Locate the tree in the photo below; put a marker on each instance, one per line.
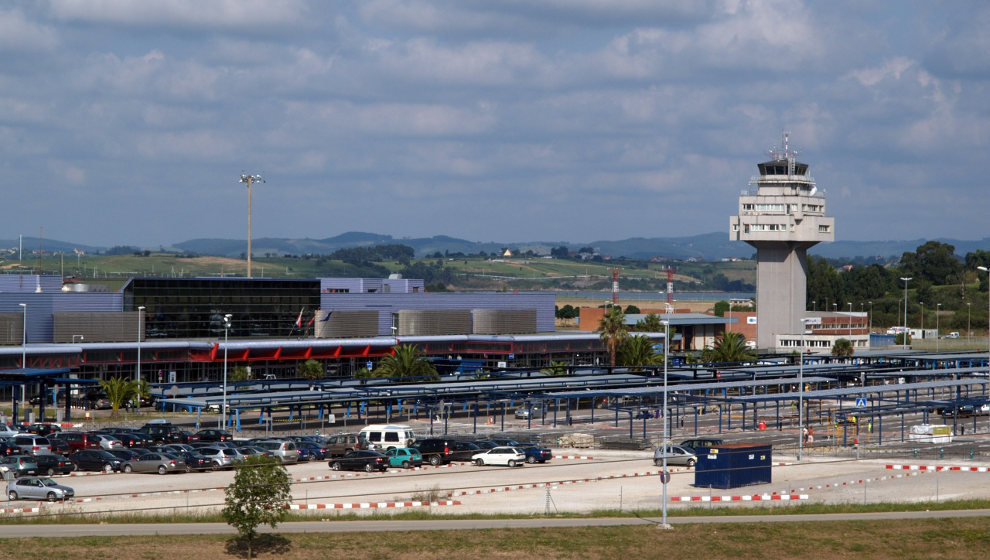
(650, 323)
(405, 362)
(239, 373)
(311, 369)
(631, 310)
(842, 348)
(721, 307)
(730, 347)
(555, 369)
(613, 331)
(934, 261)
(119, 391)
(560, 252)
(260, 494)
(638, 350)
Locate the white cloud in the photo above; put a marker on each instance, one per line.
(237, 14)
(18, 34)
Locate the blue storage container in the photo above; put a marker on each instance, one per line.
(733, 465)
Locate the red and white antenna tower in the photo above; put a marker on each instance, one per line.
(670, 285)
(615, 286)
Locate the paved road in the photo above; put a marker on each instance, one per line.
(166, 529)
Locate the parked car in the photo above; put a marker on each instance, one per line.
(952, 334)
(196, 461)
(506, 442)
(404, 457)
(464, 451)
(160, 432)
(20, 465)
(285, 450)
(59, 446)
(51, 464)
(38, 488)
(484, 443)
(304, 454)
(96, 460)
(530, 411)
(365, 460)
(125, 454)
(250, 451)
(7, 448)
(697, 444)
(77, 440)
(43, 428)
(317, 451)
(221, 458)
(536, 453)
(341, 444)
(436, 451)
(676, 455)
(107, 441)
(161, 463)
(211, 434)
(507, 456)
(32, 444)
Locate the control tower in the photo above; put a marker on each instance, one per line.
(781, 218)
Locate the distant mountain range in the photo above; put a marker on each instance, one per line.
(706, 247)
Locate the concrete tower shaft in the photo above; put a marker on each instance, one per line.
(781, 218)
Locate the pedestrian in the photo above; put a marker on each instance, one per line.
(804, 435)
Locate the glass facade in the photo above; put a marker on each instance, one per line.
(194, 307)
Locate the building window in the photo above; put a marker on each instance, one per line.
(823, 228)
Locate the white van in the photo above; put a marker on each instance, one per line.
(387, 436)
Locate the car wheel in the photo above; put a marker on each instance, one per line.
(52, 497)
(108, 468)
(335, 465)
(512, 462)
(50, 471)
(691, 462)
(531, 459)
(128, 468)
(214, 466)
(369, 467)
(188, 469)
(405, 464)
(434, 460)
(11, 495)
(162, 469)
(658, 462)
(479, 462)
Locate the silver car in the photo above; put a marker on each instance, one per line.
(161, 463)
(222, 458)
(283, 449)
(676, 455)
(38, 488)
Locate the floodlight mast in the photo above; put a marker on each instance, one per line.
(250, 179)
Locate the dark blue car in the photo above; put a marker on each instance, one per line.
(316, 450)
(536, 453)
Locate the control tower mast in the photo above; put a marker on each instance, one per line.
(781, 218)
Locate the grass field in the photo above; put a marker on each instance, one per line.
(963, 538)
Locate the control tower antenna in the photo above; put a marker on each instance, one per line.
(615, 285)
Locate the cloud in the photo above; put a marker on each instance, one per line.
(18, 34)
(258, 15)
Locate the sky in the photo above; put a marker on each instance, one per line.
(130, 122)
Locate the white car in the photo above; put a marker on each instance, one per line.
(508, 456)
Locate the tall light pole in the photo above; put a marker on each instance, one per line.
(226, 335)
(922, 304)
(905, 333)
(871, 317)
(938, 307)
(987, 270)
(137, 374)
(969, 321)
(23, 358)
(850, 321)
(664, 444)
(804, 327)
(250, 179)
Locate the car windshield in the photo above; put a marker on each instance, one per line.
(47, 482)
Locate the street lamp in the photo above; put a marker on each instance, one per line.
(226, 334)
(938, 307)
(249, 179)
(987, 270)
(140, 311)
(664, 444)
(813, 305)
(969, 322)
(23, 357)
(850, 321)
(804, 326)
(871, 316)
(905, 333)
(922, 304)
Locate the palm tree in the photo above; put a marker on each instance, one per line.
(406, 361)
(730, 347)
(613, 331)
(119, 391)
(555, 369)
(650, 323)
(638, 350)
(311, 369)
(842, 348)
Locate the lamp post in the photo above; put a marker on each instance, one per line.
(905, 333)
(987, 270)
(938, 307)
(850, 321)
(664, 444)
(249, 179)
(871, 316)
(969, 322)
(922, 304)
(804, 326)
(226, 335)
(812, 305)
(23, 356)
(137, 376)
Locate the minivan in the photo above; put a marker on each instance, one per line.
(32, 444)
(388, 436)
(284, 450)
